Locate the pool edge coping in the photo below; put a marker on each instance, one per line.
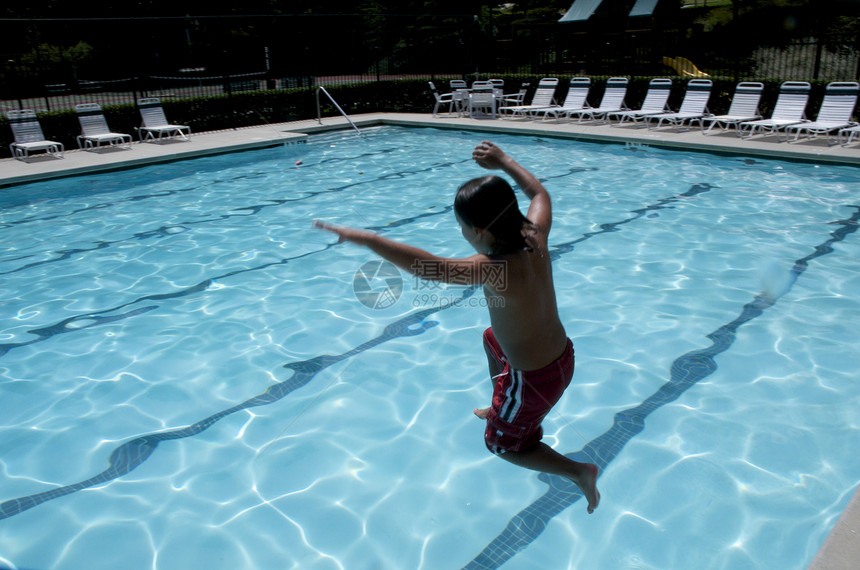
(690, 140)
(841, 548)
(79, 162)
(85, 162)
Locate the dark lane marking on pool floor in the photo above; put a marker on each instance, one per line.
(97, 318)
(182, 227)
(177, 191)
(131, 454)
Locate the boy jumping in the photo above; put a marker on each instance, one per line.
(531, 359)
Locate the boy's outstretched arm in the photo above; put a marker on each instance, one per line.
(492, 157)
(412, 259)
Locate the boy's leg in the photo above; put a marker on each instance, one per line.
(496, 367)
(544, 458)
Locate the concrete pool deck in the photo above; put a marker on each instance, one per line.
(841, 549)
(43, 167)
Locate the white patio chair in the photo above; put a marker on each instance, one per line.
(28, 136)
(837, 108)
(483, 86)
(654, 103)
(513, 99)
(790, 109)
(441, 99)
(460, 90)
(744, 107)
(155, 127)
(482, 103)
(95, 131)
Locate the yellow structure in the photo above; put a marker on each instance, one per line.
(684, 67)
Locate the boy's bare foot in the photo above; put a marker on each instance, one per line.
(587, 481)
(481, 413)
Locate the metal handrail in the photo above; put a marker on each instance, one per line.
(319, 116)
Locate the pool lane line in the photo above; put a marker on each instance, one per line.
(131, 454)
(97, 318)
(687, 370)
(166, 192)
(182, 227)
(557, 250)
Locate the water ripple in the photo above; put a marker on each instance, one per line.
(131, 454)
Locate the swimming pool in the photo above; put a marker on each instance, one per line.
(190, 381)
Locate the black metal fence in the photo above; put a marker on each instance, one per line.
(802, 60)
(190, 58)
(107, 92)
(805, 59)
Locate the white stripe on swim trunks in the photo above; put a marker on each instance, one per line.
(513, 397)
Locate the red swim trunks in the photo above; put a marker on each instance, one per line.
(522, 398)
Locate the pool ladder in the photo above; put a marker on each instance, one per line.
(330, 98)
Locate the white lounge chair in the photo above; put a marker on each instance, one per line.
(441, 99)
(28, 136)
(654, 103)
(544, 97)
(95, 131)
(837, 108)
(744, 107)
(155, 127)
(694, 107)
(612, 101)
(575, 100)
(790, 109)
(848, 135)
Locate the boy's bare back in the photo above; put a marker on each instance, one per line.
(524, 312)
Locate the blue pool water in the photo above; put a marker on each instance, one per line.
(189, 380)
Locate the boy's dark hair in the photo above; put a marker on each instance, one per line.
(489, 203)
